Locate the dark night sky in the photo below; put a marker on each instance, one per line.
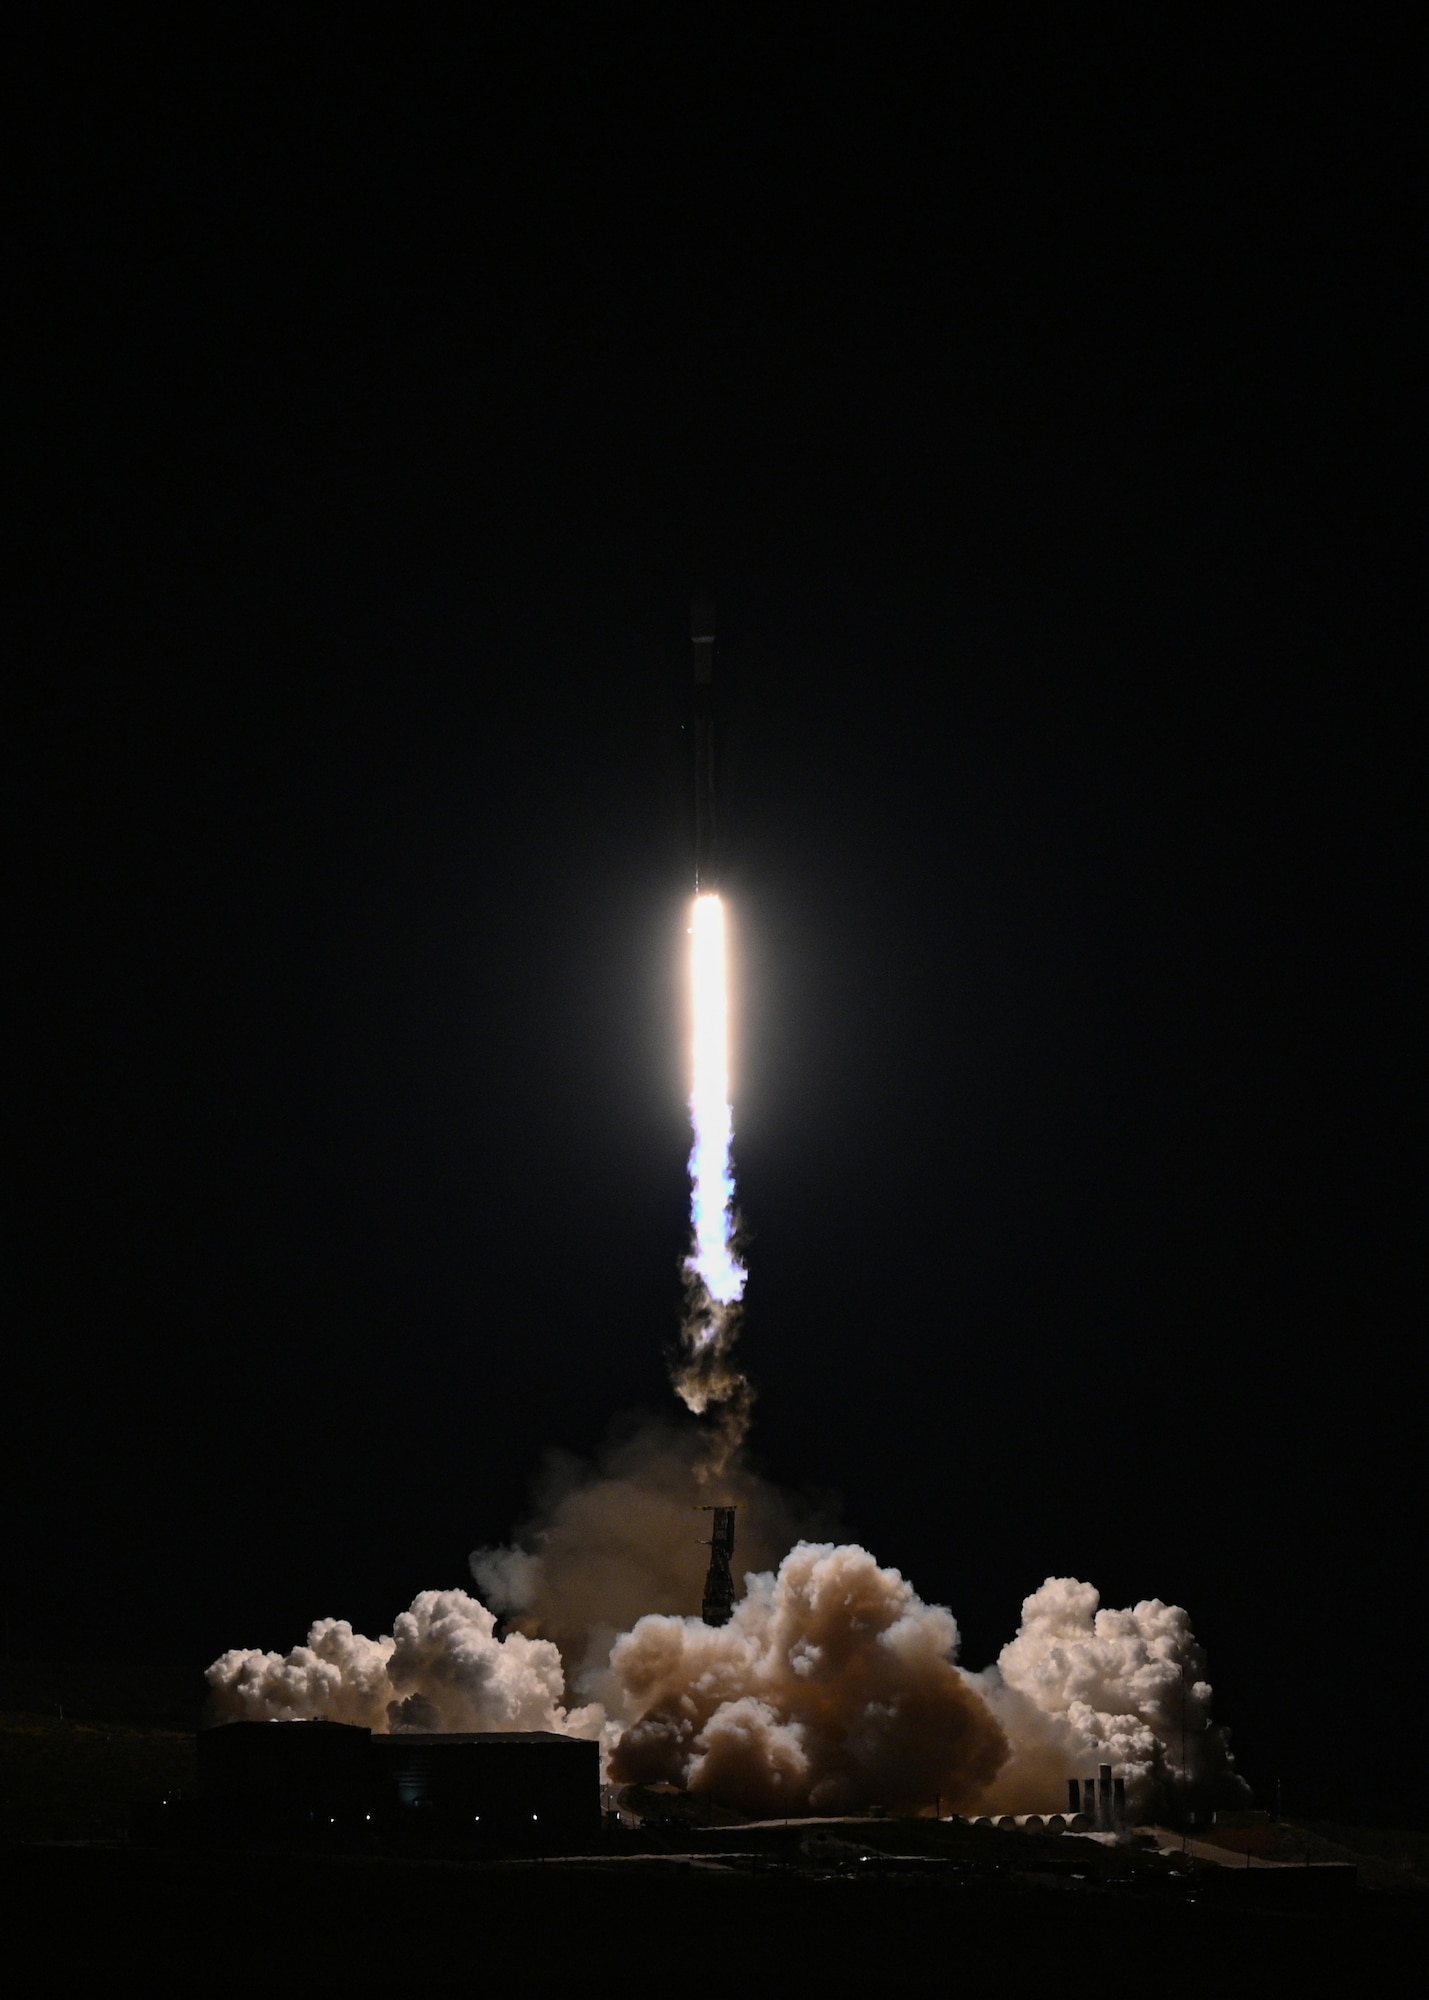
(1039, 401)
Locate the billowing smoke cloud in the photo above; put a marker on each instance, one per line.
(612, 1541)
(1080, 1686)
(442, 1668)
(832, 1688)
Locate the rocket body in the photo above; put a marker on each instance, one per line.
(702, 639)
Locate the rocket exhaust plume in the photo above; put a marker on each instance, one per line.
(706, 1376)
(714, 1276)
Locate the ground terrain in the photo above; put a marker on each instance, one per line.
(100, 1881)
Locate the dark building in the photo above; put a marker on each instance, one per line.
(529, 1784)
(502, 1789)
(291, 1767)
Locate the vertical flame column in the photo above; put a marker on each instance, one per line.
(712, 1260)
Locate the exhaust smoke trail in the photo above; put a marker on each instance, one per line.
(609, 1541)
(714, 1276)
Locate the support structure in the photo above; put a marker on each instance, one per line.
(718, 1605)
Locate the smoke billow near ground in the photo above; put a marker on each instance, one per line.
(834, 1688)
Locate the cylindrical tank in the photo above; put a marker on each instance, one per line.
(1030, 1822)
(1005, 1822)
(1056, 1823)
(1074, 1795)
(1079, 1822)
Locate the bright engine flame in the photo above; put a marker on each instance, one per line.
(712, 1260)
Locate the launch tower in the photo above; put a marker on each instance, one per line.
(718, 1606)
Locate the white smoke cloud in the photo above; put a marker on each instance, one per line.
(1080, 1686)
(442, 1668)
(832, 1688)
(614, 1540)
(338, 1675)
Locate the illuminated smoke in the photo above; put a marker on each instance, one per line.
(833, 1688)
(714, 1276)
(611, 1541)
(1080, 1686)
(442, 1669)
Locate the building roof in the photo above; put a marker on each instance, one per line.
(482, 1736)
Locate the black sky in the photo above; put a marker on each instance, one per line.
(1039, 400)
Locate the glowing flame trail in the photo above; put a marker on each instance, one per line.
(714, 1276)
(712, 1261)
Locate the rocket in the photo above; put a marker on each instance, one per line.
(702, 636)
